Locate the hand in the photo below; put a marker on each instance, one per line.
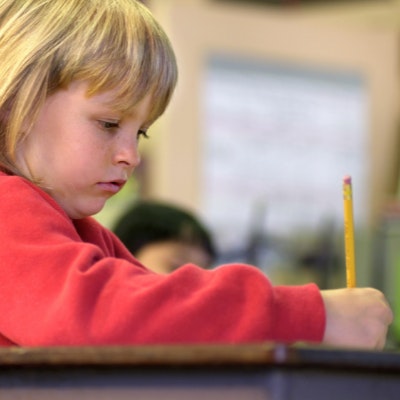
(356, 317)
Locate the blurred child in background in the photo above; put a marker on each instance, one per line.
(164, 237)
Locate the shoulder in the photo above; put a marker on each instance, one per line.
(25, 208)
(19, 194)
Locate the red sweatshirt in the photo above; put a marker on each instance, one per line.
(72, 282)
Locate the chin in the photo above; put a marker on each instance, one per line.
(85, 212)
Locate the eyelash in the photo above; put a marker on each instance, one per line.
(107, 125)
(142, 133)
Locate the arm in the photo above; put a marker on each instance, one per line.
(58, 289)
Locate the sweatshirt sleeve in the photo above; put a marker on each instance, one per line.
(60, 290)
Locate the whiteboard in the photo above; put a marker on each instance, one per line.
(280, 137)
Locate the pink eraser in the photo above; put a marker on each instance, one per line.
(347, 180)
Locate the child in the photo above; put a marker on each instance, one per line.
(81, 82)
(164, 237)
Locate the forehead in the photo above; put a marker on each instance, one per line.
(108, 101)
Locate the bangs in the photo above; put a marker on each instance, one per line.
(127, 53)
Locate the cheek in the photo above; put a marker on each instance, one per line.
(85, 145)
(31, 155)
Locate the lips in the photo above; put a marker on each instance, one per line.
(112, 186)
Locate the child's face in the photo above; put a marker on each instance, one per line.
(81, 150)
(166, 256)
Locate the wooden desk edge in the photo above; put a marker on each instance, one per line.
(144, 355)
(266, 354)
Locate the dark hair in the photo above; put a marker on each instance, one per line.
(149, 221)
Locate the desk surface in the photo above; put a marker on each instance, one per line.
(265, 371)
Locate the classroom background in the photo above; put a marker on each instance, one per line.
(277, 101)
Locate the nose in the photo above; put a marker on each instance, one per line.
(127, 152)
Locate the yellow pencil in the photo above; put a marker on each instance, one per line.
(349, 233)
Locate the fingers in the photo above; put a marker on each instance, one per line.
(381, 307)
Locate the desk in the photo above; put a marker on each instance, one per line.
(248, 372)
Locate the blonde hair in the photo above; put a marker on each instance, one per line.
(46, 44)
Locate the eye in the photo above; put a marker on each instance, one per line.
(142, 133)
(109, 124)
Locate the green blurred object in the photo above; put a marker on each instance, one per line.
(118, 204)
